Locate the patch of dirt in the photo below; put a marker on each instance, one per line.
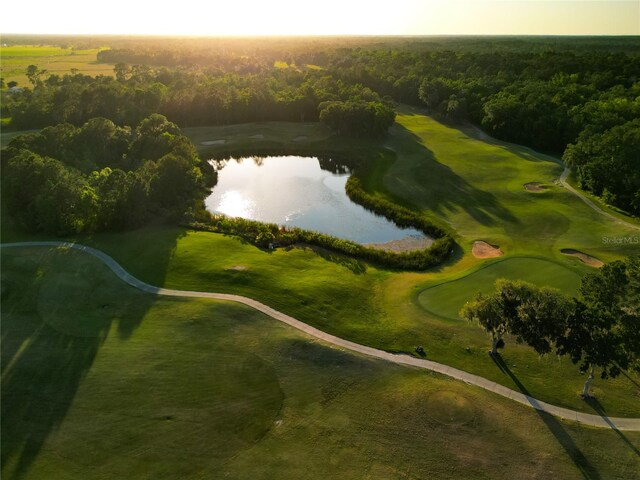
(583, 257)
(213, 142)
(535, 187)
(300, 138)
(237, 268)
(406, 244)
(483, 249)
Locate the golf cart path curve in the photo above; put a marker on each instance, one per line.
(588, 202)
(628, 424)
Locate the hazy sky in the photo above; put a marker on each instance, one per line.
(325, 17)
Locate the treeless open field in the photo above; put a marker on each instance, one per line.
(56, 60)
(98, 374)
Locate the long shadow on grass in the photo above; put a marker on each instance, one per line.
(435, 186)
(555, 427)
(597, 406)
(354, 265)
(46, 356)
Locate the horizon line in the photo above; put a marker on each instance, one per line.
(330, 35)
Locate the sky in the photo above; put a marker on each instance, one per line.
(326, 17)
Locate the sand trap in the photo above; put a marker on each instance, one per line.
(485, 250)
(257, 136)
(213, 142)
(535, 187)
(406, 244)
(583, 257)
(237, 268)
(300, 138)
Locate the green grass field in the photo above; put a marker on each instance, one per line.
(56, 60)
(102, 381)
(446, 299)
(475, 187)
(392, 310)
(260, 136)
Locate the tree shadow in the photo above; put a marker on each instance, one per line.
(630, 379)
(46, 354)
(587, 470)
(353, 264)
(477, 133)
(597, 406)
(447, 192)
(38, 390)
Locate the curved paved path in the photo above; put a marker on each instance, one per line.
(565, 184)
(630, 424)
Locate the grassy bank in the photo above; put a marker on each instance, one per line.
(100, 380)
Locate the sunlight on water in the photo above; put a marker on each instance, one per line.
(234, 204)
(296, 191)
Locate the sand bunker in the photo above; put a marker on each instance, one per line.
(300, 138)
(404, 245)
(213, 142)
(257, 136)
(485, 250)
(535, 187)
(583, 257)
(237, 268)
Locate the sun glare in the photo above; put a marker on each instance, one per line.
(234, 204)
(330, 17)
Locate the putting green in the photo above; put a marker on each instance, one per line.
(446, 299)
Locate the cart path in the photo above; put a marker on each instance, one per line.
(588, 202)
(628, 424)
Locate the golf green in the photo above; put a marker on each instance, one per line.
(447, 298)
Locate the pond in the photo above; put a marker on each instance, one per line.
(296, 191)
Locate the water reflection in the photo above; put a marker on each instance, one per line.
(233, 204)
(296, 191)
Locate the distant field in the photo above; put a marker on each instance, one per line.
(6, 137)
(213, 140)
(284, 65)
(102, 381)
(56, 60)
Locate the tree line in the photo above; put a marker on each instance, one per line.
(599, 329)
(196, 98)
(578, 98)
(66, 180)
(574, 103)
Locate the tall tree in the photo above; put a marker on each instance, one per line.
(493, 312)
(541, 318)
(487, 312)
(33, 74)
(604, 332)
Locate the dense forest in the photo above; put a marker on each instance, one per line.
(100, 176)
(576, 98)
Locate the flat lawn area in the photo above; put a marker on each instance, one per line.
(102, 381)
(6, 137)
(446, 299)
(217, 141)
(56, 60)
